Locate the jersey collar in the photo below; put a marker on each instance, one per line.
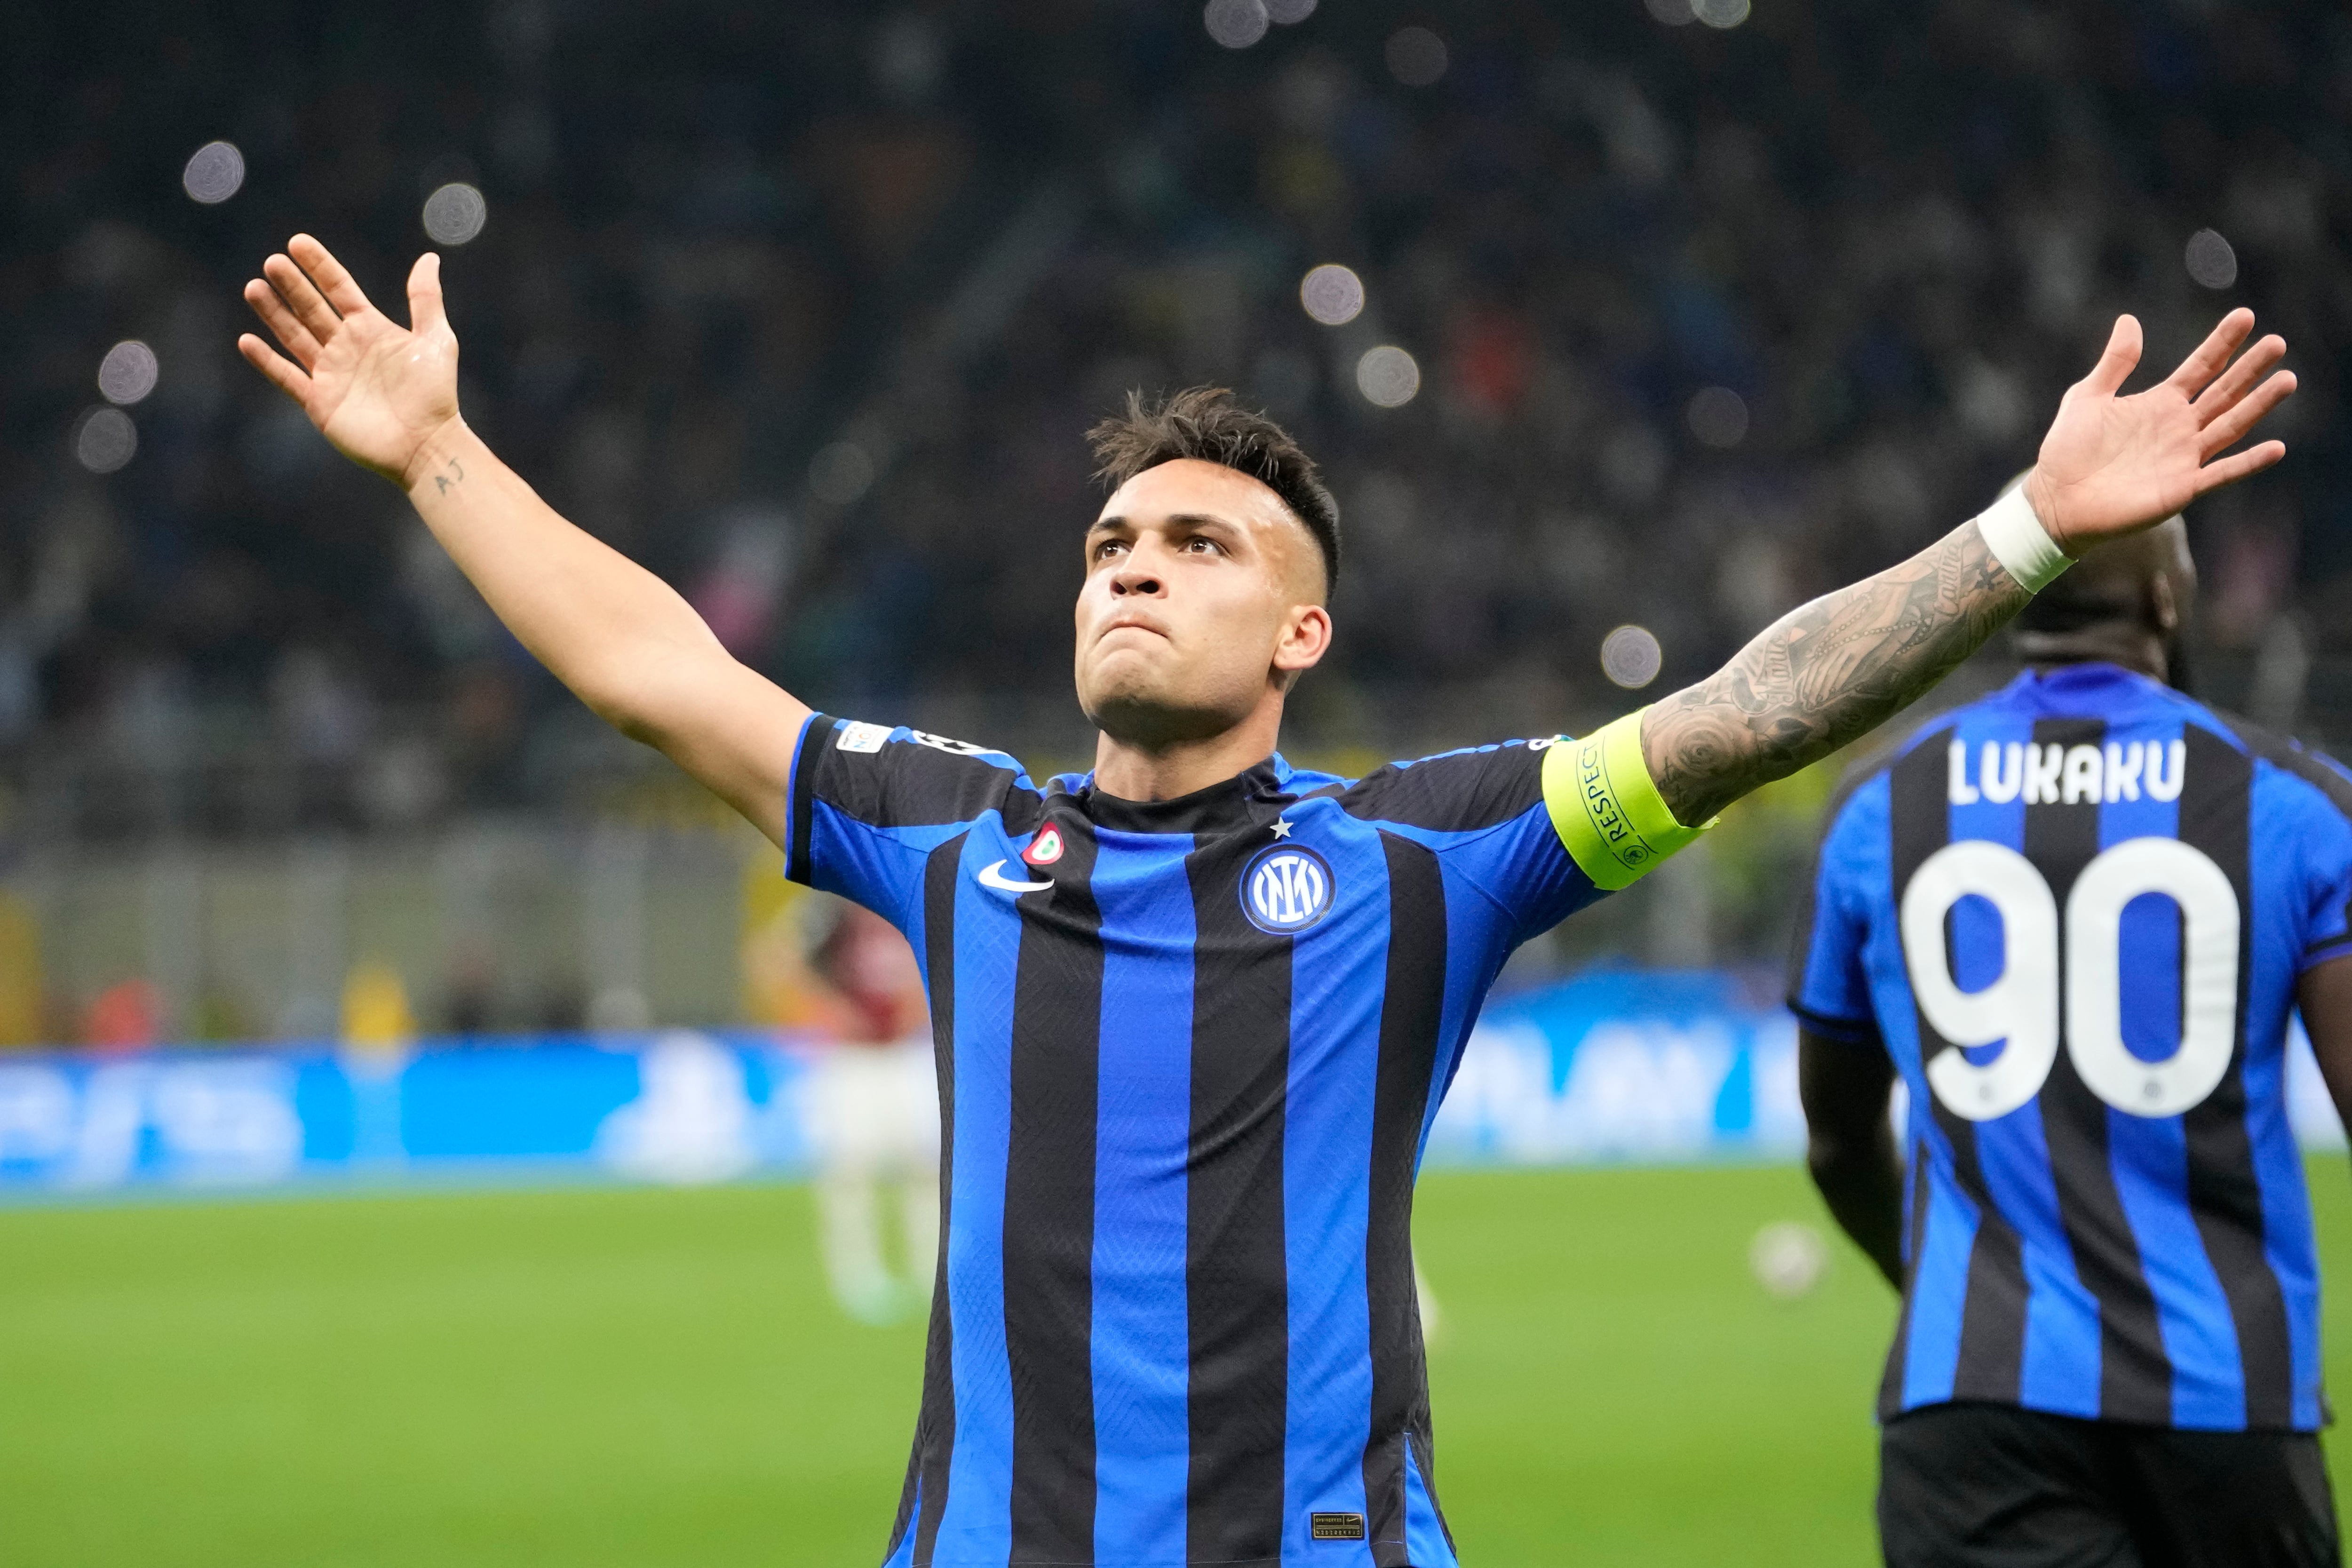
(1254, 795)
(2088, 675)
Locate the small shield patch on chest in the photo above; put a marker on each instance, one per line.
(1046, 848)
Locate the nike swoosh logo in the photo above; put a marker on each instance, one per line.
(993, 876)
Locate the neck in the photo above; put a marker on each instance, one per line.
(1134, 770)
(2133, 647)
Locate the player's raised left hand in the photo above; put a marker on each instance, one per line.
(377, 390)
(2111, 465)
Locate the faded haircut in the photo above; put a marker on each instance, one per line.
(1204, 422)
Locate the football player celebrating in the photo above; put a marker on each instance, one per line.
(2074, 918)
(1193, 1009)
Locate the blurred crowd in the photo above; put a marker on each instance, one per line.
(808, 309)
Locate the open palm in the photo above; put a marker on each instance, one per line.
(2111, 465)
(375, 390)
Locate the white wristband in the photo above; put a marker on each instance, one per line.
(2018, 542)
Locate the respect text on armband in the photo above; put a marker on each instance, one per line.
(1602, 807)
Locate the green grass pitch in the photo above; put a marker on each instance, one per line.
(604, 1376)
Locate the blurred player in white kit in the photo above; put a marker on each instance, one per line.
(873, 1110)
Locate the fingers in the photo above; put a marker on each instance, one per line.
(2216, 399)
(280, 370)
(2232, 423)
(2206, 361)
(425, 309)
(281, 323)
(334, 280)
(301, 296)
(2121, 356)
(2229, 470)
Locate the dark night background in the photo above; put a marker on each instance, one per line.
(807, 308)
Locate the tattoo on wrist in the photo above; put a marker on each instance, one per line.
(1827, 673)
(455, 474)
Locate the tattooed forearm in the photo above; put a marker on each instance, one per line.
(1826, 673)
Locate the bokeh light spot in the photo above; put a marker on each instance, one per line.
(1718, 417)
(1672, 13)
(213, 174)
(1332, 294)
(1631, 656)
(1387, 376)
(454, 213)
(105, 440)
(1236, 24)
(1721, 13)
(2210, 260)
(128, 372)
(1788, 1259)
(1290, 13)
(1416, 55)
(840, 473)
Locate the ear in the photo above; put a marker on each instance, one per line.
(1305, 639)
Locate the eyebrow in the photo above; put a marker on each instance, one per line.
(1183, 519)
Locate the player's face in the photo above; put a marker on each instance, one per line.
(1203, 595)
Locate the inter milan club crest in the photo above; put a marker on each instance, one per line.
(1046, 848)
(1286, 888)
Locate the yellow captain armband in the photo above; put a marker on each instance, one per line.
(1606, 808)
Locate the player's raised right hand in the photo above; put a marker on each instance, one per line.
(379, 392)
(2112, 464)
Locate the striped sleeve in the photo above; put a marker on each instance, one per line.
(868, 803)
(2322, 838)
(1482, 809)
(1829, 985)
(2328, 852)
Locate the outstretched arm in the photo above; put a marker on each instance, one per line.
(619, 636)
(1832, 670)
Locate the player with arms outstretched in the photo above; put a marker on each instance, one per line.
(1194, 1009)
(2074, 918)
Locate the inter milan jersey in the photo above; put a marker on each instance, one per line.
(1188, 1055)
(2073, 913)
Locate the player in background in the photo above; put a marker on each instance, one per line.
(1194, 1008)
(872, 1112)
(2072, 918)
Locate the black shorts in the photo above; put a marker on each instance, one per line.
(1979, 1485)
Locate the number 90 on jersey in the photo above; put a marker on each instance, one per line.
(2023, 1007)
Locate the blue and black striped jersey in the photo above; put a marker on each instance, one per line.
(2073, 913)
(1189, 1052)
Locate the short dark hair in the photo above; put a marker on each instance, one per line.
(2110, 584)
(2087, 601)
(1204, 422)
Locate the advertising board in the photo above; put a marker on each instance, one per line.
(1629, 1066)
